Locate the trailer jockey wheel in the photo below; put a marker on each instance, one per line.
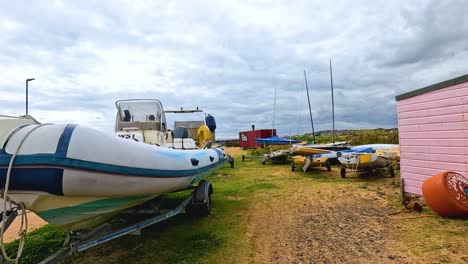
(201, 203)
(243, 158)
(231, 162)
(391, 171)
(343, 172)
(328, 166)
(293, 166)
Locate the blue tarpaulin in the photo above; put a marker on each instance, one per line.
(274, 140)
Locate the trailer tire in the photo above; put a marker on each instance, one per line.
(243, 158)
(328, 166)
(391, 171)
(201, 203)
(231, 162)
(343, 172)
(293, 167)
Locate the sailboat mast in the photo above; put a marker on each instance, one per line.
(310, 110)
(333, 103)
(274, 108)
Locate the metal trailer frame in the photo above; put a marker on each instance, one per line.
(76, 242)
(244, 157)
(278, 156)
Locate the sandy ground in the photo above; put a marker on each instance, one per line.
(339, 223)
(34, 222)
(233, 151)
(325, 226)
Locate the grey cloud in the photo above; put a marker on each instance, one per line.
(228, 58)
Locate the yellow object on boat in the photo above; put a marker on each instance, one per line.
(365, 158)
(320, 160)
(203, 134)
(308, 151)
(393, 153)
(299, 160)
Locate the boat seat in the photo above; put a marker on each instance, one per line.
(181, 132)
(127, 116)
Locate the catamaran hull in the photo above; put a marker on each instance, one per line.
(72, 175)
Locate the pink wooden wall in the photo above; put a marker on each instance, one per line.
(433, 129)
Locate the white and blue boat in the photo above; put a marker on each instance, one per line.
(367, 157)
(73, 176)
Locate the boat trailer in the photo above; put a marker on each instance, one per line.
(279, 156)
(198, 203)
(356, 168)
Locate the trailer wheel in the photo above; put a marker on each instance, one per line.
(391, 171)
(328, 166)
(343, 172)
(201, 204)
(293, 167)
(243, 158)
(231, 162)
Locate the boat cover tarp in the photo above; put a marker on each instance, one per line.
(360, 149)
(275, 140)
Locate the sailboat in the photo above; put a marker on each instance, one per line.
(368, 157)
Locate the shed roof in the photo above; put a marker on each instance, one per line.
(434, 87)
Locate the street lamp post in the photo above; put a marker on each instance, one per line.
(27, 81)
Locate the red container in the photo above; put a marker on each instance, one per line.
(247, 138)
(446, 194)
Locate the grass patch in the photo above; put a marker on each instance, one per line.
(40, 243)
(364, 186)
(262, 185)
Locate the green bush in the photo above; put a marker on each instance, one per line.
(356, 137)
(374, 136)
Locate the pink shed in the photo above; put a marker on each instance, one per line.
(433, 130)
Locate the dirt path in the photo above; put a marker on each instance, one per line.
(324, 226)
(306, 220)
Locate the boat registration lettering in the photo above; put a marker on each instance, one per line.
(128, 136)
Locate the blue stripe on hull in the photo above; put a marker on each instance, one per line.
(64, 141)
(48, 180)
(54, 161)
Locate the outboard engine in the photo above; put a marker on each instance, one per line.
(211, 123)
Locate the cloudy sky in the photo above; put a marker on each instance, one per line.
(228, 57)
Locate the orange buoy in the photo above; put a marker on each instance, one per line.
(447, 194)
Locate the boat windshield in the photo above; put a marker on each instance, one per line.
(140, 110)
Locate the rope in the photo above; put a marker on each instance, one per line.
(24, 217)
(409, 207)
(399, 212)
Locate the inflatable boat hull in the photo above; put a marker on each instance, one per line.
(70, 175)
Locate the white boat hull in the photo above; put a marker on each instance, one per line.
(70, 174)
(364, 161)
